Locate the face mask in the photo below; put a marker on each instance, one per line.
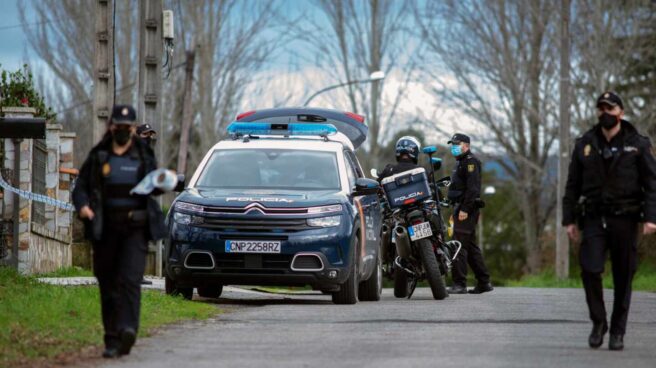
(608, 121)
(122, 136)
(150, 141)
(456, 150)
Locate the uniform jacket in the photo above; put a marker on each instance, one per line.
(393, 169)
(465, 190)
(88, 189)
(631, 177)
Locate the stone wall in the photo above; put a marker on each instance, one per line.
(41, 247)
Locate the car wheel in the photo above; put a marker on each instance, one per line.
(171, 288)
(371, 289)
(210, 291)
(348, 291)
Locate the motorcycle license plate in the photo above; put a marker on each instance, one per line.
(252, 246)
(420, 231)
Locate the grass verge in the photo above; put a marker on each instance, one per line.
(40, 321)
(644, 279)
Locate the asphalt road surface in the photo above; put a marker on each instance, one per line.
(510, 327)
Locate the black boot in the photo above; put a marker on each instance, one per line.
(596, 338)
(481, 288)
(128, 336)
(110, 353)
(616, 342)
(457, 289)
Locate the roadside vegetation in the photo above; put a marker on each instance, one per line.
(45, 322)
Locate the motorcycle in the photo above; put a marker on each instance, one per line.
(414, 233)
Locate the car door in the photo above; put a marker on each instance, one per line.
(372, 217)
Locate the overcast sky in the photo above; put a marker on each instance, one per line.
(13, 46)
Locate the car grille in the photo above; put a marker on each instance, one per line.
(255, 225)
(253, 263)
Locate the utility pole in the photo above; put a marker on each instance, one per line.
(103, 67)
(186, 112)
(149, 107)
(562, 241)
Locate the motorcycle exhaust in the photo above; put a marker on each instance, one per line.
(386, 239)
(402, 242)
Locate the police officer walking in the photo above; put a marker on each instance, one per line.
(464, 194)
(118, 224)
(611, 187)
(149, 136)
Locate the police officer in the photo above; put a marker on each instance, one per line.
(148, 134)
(118, 224)
(464, 194)
(611, 185)
(407, 155)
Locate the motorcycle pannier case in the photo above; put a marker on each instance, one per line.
(406, 187)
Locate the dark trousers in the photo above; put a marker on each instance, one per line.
(619, 238)
(470, 254)
(119, 261)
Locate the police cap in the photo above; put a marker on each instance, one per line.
(123, 114)
(459, 138)
(145, 128)
(610, 98)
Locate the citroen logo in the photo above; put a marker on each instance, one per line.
(255, 207)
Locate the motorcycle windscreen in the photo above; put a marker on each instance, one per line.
(345, 123)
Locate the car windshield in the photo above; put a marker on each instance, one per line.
(270, 169)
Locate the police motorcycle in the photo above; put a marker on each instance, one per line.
(414, 233)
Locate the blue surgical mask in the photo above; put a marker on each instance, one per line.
(456, 150)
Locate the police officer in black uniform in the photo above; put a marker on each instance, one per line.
(118, 224)
(464, 194)
(148, 134)
(611, 187)
(407, 155)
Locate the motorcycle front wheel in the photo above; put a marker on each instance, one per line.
(432, 269)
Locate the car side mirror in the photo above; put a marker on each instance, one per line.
(364, 186)
(429, 150)
(181, 183)
(436, 162)
(374, 173)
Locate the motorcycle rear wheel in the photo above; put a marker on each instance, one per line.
(432, 269)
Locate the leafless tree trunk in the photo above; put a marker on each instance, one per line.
(498, 68)
(187, 113)
(364, 37)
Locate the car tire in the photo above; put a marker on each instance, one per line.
(213, 291)
(432, 269)
(171, 288)
(348, 291)
(371, 289)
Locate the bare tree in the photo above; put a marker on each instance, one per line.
(361, 37)
(497, 65)
(63, 39)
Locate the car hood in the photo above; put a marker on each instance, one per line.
(268, 198)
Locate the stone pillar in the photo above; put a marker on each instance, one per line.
(53, 144)
(66, 154)
(25, 183)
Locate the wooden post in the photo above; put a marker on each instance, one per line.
(562, 241)
(187, 115)
(103, 89)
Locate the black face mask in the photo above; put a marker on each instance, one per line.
(150, 141)
(122, 136)
(608, 121)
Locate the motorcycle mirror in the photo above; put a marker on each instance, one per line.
(429, 150)
(374, 173)
(436, 162)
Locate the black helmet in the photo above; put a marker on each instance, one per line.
(408, 145)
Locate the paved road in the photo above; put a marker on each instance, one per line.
(510, 327)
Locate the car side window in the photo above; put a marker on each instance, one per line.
(350, 171)
(355, 164)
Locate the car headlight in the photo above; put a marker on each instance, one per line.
(188, 207)
(181, 218)
(329, 221)
(325, 209)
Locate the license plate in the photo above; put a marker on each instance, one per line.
(420, 231)
(252, 246)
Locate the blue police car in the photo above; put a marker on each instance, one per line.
(282, 202)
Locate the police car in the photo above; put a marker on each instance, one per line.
(282, 202)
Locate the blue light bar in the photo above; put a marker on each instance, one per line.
(241, 129)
